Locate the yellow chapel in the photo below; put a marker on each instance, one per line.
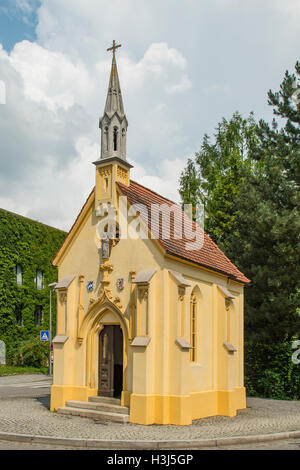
(150, 310)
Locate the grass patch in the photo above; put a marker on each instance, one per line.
(17, 370)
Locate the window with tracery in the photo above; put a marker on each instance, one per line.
(193, 327)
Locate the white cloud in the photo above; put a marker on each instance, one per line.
(218, 88)
(24, 5)
(160, 53)
(37, 145)
(182, 66)
(288, 7)
(50, 125)
(184, 85)
(164, 180)
(160, 65)
(50, 77)
(72, 185)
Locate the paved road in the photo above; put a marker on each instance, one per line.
(25, 386)
(10, 445)
(287, 444)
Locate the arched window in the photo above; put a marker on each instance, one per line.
(39, 279)
(193, 328)
(115, 138)
(106, 137)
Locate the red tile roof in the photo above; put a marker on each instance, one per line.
(206, 254)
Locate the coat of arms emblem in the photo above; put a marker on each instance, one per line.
(120, 284)
(90, 286)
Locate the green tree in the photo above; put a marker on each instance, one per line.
(248, 180)
(215, 175)
(266, 248)
(190, 184)
(31, 245)
(266, 245)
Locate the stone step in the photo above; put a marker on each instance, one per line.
(111, 400)
(94, 414)
(98, 406)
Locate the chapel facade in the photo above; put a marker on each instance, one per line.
(149, 327)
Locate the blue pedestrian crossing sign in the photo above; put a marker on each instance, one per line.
(44, 335)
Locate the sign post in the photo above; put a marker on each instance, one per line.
(53, 285)
(44, 335)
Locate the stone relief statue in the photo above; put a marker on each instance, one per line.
(105, 248)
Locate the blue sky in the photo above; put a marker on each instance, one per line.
(18, 21)
(183, 66)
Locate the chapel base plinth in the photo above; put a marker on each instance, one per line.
(182, 410)
(60, 394)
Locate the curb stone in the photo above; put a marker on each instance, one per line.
(147, 445)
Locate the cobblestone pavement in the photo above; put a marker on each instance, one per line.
(32, 416)
(29, 415)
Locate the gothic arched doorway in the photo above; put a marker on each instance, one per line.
(110, 361)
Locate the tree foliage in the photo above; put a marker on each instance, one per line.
(214, 177)
(31, 352)
(266, 245)
(270, 372)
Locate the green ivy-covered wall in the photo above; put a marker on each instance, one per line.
(32, 245)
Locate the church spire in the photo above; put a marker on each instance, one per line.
(113, 124)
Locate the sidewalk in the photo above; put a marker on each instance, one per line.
(31, 417)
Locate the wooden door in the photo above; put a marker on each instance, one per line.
(106, 362)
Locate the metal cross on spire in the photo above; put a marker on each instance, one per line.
(114, 47)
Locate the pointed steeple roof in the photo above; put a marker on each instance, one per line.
(114, 102)
(113, 123)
